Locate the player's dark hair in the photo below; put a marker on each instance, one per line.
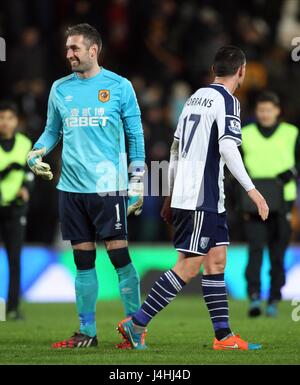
(268, 96)
(228, 60)
(88, 32)
(8, 105)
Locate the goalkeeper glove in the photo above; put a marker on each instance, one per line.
(34, 161)
(135, 193)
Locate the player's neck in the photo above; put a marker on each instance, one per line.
(228, 82)
(7, 136)
(90, 73)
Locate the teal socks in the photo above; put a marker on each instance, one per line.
(129, 286)
(86, 288)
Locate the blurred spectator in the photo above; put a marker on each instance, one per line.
(289, 24)
(180, 92)
(28, 76)
(271, 152)
(206, 25)
(29, 63)
(118, 32)
(15, 187)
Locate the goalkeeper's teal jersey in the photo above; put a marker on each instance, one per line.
(93, 116)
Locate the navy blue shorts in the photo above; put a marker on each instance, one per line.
(196, 232)
(91, 217)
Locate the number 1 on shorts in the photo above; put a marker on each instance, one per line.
(118, 212)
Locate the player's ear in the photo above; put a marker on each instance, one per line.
(278, 111)
(94, 50)
(242, 70)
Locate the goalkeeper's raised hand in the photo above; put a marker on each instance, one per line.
(135, 194)
(34, 161)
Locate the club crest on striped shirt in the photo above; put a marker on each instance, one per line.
(204, 242)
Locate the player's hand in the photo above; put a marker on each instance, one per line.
(166, 211)
(135, 195)
(23, 194)
(34, 161)
(261, 204)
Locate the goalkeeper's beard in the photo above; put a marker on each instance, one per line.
(79, 67)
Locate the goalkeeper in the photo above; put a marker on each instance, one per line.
(92, 111)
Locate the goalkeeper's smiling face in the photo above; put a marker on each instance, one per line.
(81, 55)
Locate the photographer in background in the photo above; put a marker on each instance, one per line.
(15, 185)
(271, 153)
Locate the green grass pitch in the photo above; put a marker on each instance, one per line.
(181, 334)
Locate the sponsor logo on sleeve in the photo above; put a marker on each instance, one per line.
(234, 126)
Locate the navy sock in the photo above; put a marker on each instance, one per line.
(215, 296)
(162, 293)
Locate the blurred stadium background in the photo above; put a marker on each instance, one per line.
(165, 48)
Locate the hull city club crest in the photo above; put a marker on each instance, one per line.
(104, 95)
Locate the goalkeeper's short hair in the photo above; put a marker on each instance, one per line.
(88, 32)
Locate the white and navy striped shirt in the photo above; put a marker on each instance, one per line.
(209, 115)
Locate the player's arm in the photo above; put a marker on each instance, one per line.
(230, 137)
(47, 141)
(233, 160)
(173, 164)
(131, 117)
(166, 212)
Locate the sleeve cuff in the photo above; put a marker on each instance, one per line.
(237, 140)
